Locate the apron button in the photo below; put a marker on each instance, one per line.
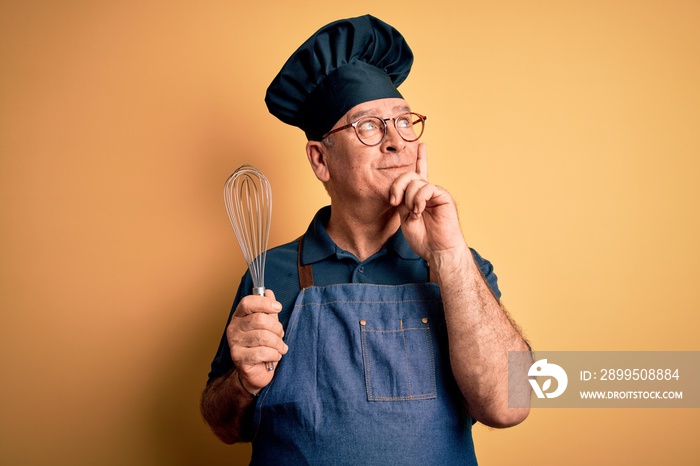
(424, 320)
(363, 322)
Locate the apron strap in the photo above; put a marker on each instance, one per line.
(306, 276)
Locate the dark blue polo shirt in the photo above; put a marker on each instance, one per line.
(394, 264)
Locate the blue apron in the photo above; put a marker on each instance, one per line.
(366, 381)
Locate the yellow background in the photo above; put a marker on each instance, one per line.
(568, 131)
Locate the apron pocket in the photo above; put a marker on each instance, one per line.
(398, 359)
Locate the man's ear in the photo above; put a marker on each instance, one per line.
(317, 154)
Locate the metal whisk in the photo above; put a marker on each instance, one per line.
(248, 199)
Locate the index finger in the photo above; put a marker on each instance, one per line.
(254, 303)
(422, 161)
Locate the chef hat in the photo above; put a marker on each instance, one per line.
(345, 63)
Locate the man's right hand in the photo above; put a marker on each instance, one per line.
(255, 338)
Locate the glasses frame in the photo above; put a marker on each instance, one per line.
(353, 125)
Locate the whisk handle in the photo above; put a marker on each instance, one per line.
(260, 291)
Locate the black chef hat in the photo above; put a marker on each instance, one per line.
(345, 63)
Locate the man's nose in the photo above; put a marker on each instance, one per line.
(393, 142)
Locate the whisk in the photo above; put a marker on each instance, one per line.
(248, 199)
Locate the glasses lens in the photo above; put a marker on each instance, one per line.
(371, 130)
(410, 126)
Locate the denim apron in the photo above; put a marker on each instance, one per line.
(366, 381)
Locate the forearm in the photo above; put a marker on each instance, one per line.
(228, 409)
(480, 336)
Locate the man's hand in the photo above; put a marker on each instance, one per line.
(480, 333)
(428, 214)
(255, 337)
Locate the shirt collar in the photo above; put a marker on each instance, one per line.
(318, 245)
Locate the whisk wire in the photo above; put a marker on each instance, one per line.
(248, 200)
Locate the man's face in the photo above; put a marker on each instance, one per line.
(362, 173)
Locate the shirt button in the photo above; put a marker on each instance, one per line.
(361, 269)
(363, 322)
(424, 320)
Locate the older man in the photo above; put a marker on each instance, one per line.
(385, 329)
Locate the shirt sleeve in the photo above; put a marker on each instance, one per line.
(222, 363)
(487, 271)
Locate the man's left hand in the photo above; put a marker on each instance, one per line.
(428, 213)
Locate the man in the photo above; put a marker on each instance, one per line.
(360, 310)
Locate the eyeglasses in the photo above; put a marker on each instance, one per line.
(371, 130)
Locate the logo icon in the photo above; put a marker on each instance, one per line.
(542, 368)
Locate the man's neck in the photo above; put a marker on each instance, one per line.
(360, 231)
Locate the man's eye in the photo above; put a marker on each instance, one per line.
(368, 125)
(404, 122)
